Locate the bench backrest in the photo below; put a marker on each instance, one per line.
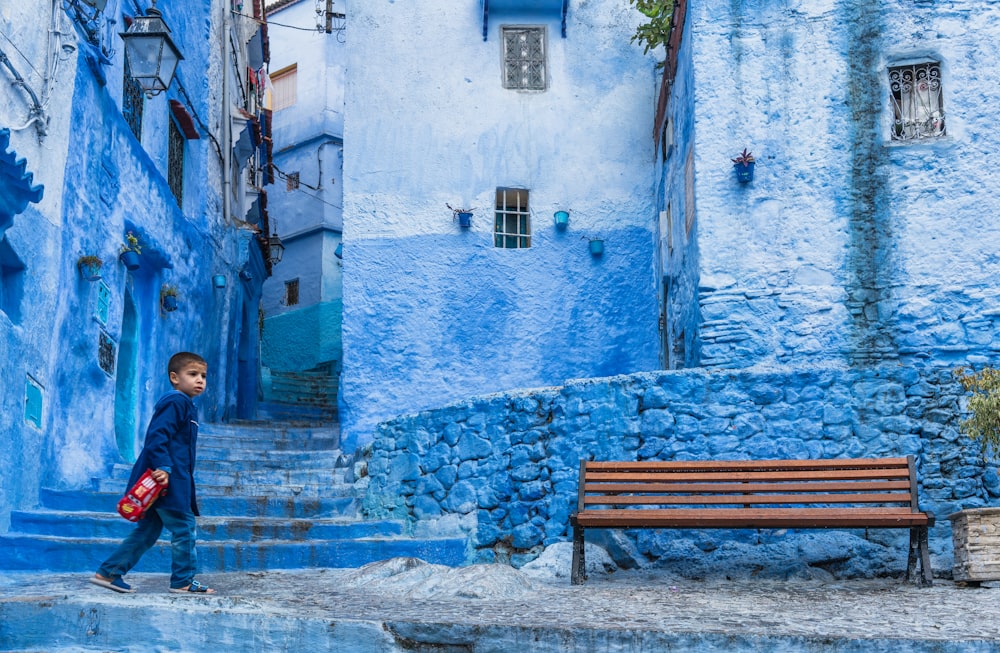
(758, 484)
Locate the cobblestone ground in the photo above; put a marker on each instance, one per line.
(497, 596)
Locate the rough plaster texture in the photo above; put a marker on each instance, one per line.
(434, 312)
(100, 182)
(846, 246)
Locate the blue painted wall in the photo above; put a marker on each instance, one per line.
(433, 312)
(503, 468)
(102, 182)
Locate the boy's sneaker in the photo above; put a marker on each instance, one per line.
(113, 584)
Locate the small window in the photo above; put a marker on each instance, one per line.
(917, 106)
(284, 88)
(175, 162)
(512, 224)
(292, 181)
(524, 58)
(132, 99)
(292, 292)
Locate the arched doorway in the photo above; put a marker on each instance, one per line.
(126, 382)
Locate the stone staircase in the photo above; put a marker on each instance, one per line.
(271, 495)
(303, 395)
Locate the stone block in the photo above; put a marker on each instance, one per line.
(976, 539)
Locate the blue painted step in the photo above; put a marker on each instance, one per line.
(213, 506)
(61, 554)
(84, 525)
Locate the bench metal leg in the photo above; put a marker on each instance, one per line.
(919, 548)
(578, 570)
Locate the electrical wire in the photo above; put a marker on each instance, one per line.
(304, 29)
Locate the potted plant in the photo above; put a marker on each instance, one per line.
(168, 298)
(130, 250)
(743, 164)
(90, 267)
(976, 531)
(464, 216)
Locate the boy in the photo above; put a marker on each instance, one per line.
(169, 450)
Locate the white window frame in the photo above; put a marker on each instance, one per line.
(512, 219)
(517, 62)
(284, 87)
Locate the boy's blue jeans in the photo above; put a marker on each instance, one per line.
(182, 537)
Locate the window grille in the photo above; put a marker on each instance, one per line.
(292, 292)
(106, 353)
(917, 105)
(524, 58)
(512, 223)
(175, 162)
(284, 88)
(132, 99)
(292, 181)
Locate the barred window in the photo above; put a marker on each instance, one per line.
(292, 292)
(512, 224)
(132, 99)
(175, 162)
(917, 106)
(524, 58)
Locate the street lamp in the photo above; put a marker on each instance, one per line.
(151, 55)
(275, 248)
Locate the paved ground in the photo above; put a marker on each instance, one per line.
(492, 607)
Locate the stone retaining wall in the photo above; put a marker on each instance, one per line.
(504, 467)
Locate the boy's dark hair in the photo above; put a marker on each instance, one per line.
(182, 359)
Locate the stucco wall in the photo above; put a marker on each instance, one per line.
(434, 312)
(504, 467)
(846, 246)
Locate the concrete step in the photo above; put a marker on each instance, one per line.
(246, 487)
(67, 554)
(297, 411)
(233, 475)
(83, 525)
(213, 506)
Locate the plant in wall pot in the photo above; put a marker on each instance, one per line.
(89, 267)
(743, 164)
(168, 298)
(130, 250)
(976, 531)
(464, 216)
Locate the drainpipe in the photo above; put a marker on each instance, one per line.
(227, 123)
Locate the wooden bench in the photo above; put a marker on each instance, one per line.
(842, 493)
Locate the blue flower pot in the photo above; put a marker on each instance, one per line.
(90, 271)
(169, 303)
(464, 219)
(596, 247)
(744, 172)
(130, 259)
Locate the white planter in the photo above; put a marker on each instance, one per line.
(975, 534)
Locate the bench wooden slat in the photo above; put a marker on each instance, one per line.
(745, 499)
(722, 487)
(743, 475)
(753, 518)
(737, 465)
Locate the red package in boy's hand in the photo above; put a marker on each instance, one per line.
(136, 502)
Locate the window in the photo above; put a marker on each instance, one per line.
(292, 181)
(175, 162)
(524, 58)
(917, 107)
(132, 95)
(284, 85)
(512, 225)
(292, 292)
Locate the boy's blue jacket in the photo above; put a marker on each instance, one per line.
(170, 445)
